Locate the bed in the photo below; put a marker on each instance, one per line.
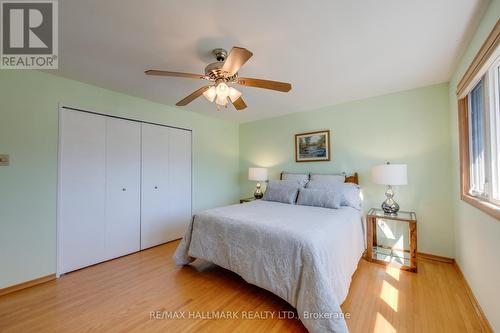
(304, 254)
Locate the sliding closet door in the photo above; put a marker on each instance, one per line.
(81, 189)
(180, 182)
(123, 186)
(155, 185)
(123, 179)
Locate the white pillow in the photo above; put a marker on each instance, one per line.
(349, 192)
(339, 178)
(301, 178)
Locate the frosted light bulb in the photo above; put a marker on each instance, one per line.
(222, 90)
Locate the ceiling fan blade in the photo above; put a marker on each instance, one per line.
(236, 58)
(176, 74)
(193, 96)
(266, 84)
(239, 104)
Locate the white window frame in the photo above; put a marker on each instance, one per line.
(493, 123)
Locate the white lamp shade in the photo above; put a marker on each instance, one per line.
(390, 174)
(222, 101)
(257, 174)
(222, 90)
(210, 94)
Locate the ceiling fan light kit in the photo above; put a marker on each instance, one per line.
(224, 73)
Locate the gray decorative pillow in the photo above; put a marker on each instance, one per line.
(280, 191)
(349, 193)
(339, 178)
(319, 198)
(301, 178)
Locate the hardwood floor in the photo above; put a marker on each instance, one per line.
(119, 296)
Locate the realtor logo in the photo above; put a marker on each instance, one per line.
(29, 37)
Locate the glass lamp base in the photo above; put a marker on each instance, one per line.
(389, 206)
(258, 193)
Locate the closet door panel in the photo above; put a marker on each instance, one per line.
(81, 190)
(155, 185)
(180, 182)
(123, 176)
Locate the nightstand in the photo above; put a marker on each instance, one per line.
(247, 199)
(392, 239)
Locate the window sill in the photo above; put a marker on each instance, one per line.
(486, 207)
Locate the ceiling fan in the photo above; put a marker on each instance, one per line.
(223, 74)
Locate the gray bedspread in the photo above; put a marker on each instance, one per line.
(306, 255)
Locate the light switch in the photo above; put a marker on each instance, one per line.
(4, 160)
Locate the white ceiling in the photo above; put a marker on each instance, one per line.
(332, 51)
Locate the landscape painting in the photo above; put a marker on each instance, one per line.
(312, 146)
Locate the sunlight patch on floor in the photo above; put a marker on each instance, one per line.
(393, 271)
(382, 325)
(389, 295)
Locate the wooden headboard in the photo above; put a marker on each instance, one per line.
(352, 178)
(348, 179)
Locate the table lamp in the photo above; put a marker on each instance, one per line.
(390, 175)
(258, 175)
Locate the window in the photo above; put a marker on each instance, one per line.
(484, 134)
(479, 128)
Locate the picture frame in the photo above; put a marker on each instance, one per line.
(312, 146)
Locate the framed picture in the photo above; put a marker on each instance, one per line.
(312, 146)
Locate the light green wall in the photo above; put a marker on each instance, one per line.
(409, 127)
(477, 235)
(28, 132)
